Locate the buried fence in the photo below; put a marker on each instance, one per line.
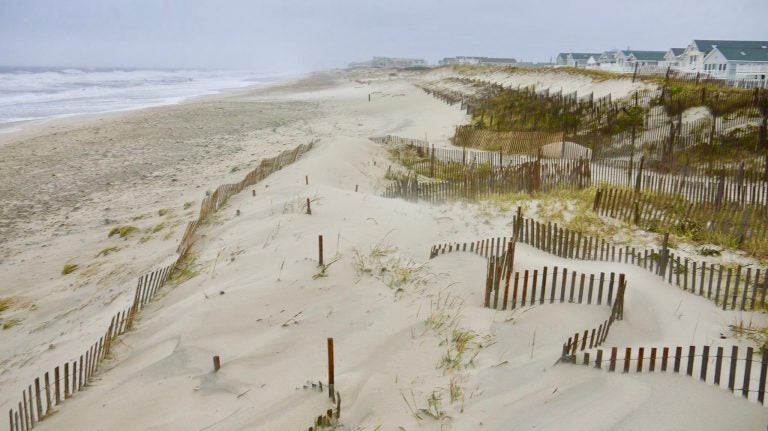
(707, 365)
(739, 372)
(474, 173)
(735, 288)
(38, 400)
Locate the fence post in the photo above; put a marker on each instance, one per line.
(320, 250)
(331, 379)
(432, 162)
(639, 180)
(663, 256)
(763, 369)
(732, 374)
(747, 373)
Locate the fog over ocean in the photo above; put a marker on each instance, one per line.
(41, 93)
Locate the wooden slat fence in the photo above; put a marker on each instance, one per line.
(40, 400)
(663, 138)
(734, 288)
(741, 370)
(720, 183)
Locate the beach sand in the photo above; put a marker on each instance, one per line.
(261, 302)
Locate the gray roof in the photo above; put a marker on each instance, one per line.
(677, 51)
(707, 45)
(648, 55)
(744, 54)
(584, 55)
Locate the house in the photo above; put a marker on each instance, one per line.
(478, 60)
(692, 59)
(622, 60)
(737, 63)
(672, 58)
(562, 59)
(607, 57)
(497, 60)
(458, 60)
(580, 59)
(390, 63)
(645, 58)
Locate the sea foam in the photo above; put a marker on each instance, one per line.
(41, 93)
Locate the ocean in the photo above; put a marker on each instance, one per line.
(40, 93)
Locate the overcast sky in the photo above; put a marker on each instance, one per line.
(293, 35)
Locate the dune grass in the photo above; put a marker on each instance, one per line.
(107, 251)
(69, 268)
(123, 231)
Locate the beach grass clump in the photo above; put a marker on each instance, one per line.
(185, 269)
(394, 271)
(462, 349)
(69, 268)
(435, 406)
(163, 211)
(123, 231)
(10, 323)
(188, 205)
(107, 251)
(5, 303)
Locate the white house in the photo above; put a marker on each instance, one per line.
(737, 63)
(692, 59)
(562, 59)
(580, 59)
(627, 59)
(672, 58)
(645, 58)
(607, 57)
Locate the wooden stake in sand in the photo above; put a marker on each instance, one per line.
(216, 363)
(306, 180)
(330, 368)
(309, 208)
(320, 250)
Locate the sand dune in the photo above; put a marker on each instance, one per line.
(262, 304)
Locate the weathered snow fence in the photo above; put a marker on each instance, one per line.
(734, 288)
(743, 371)
(72, 376)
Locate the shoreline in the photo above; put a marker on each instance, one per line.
(10, 130)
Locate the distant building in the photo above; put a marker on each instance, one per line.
(477, 60)
(673, 57)
(562, 59)
(607, 58)
(627, 59)
(390, 63)
(646, 58)
(497, 60)
(692, 59)
(737, 63)
(581, 59)
(458, 60)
